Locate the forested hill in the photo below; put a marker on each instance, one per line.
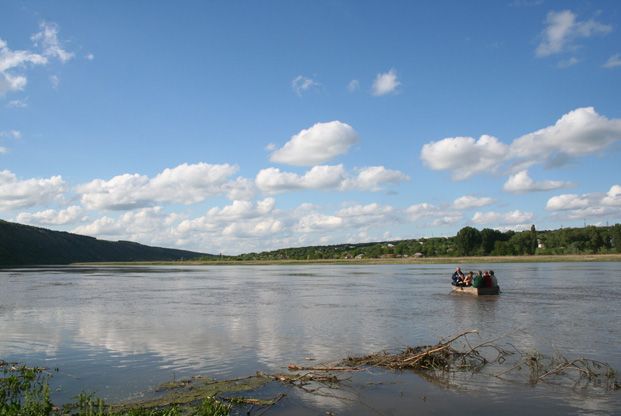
(26, 245)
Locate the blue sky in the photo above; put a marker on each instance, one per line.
(242, 126)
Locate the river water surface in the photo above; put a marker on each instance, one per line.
(119, 331)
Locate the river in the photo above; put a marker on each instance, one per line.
(119, 331)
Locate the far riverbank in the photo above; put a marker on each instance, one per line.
(402, 260)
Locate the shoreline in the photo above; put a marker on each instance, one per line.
(567, 258)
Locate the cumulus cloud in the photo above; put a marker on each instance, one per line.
(563, 30)
(579, 207)
(521, 182)
(418, 211)
(301, 84)
(567, 202)
(16, 193)
(217, 219)
(327, 177)
(150, 225)
(273, 180)
(317, 144)
(469, 201)
(579, 132)
(506, 218)
(385, 83)
(589, 205)
(184, 184)
(366, 215)
(373, 178)
(240, 188)
(613, 196)
(69, 215)
(465, 156)
(318, 222)
(613, 62)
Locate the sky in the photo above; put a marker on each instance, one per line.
(239, 126)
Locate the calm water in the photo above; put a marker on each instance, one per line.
(119, 331)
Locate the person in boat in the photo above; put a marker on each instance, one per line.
(493, 278)
(487, 279)
(458, 277)
(468, 279)
(478, 280)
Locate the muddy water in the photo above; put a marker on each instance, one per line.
(120, 330)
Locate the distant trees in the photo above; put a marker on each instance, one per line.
(468, 241)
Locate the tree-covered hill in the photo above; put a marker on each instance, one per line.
(26, 245)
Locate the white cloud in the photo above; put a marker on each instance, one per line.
(47, 39)
(366, 215)
(563, 30)
(11, 60)
(521, 182)
(353, 86)
(318, 222)
(579, 132)
(273, 180)
(373, 178)
(418, 211)
(317, 144)
(465, 156)
(613, 196)
(240, 189)
(328, 177)
(567, 202)
(440, 216)
(3, 150)
(582, 207)
(469, 201)
(385, 83)
(301, 84)
(614, 61)
(152, 226)
(48, 217)
(262, 228)
(15, 193)
(506, 218)
(89, 56)
(446, 219)
(184, 184)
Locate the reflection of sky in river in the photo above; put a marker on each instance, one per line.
(128, 328)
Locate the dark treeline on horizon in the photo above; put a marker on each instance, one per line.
(469, 241)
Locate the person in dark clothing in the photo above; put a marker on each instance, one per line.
(458, 278)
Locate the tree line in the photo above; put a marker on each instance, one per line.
(469, 241)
